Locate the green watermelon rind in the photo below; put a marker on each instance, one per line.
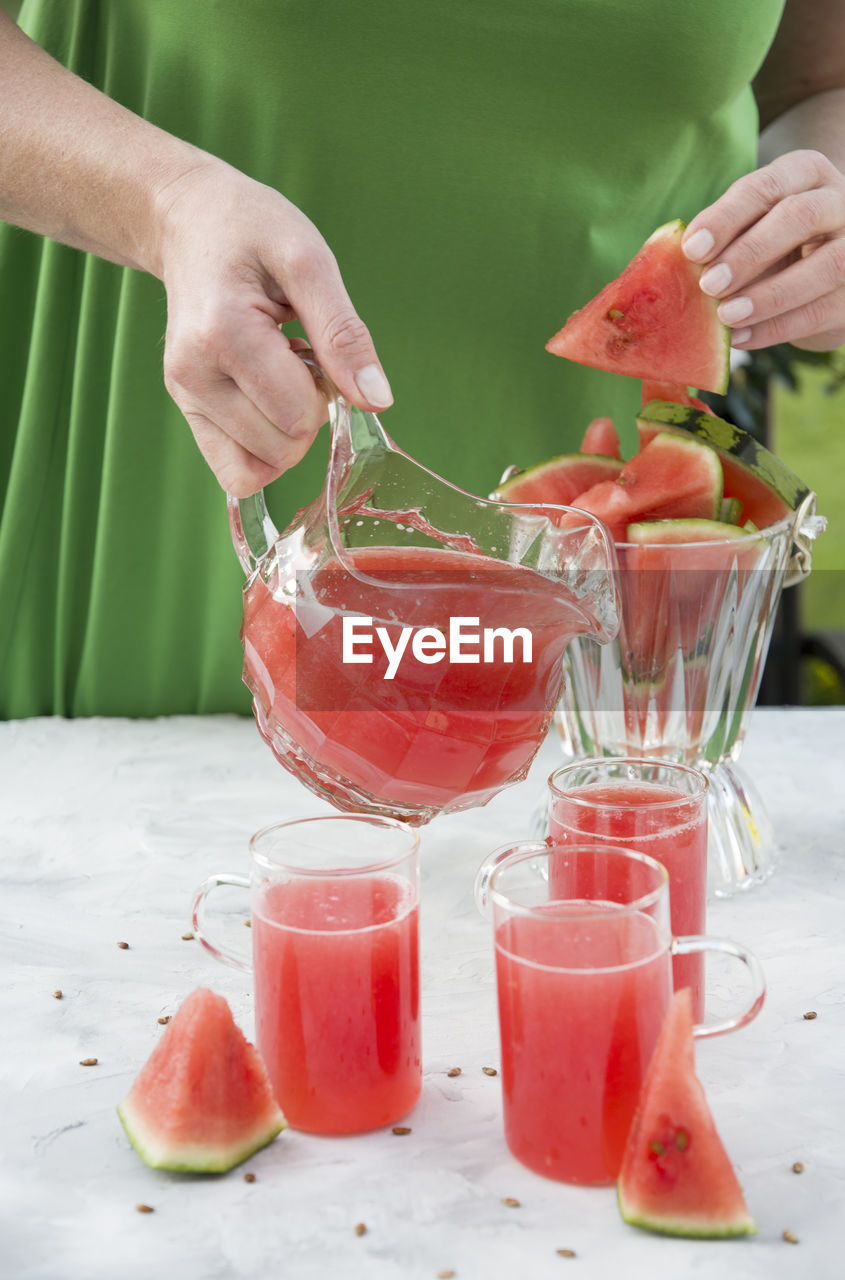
(606, 467)
(682, 532)
(731, 441)
(690, 1231)
(197, 1158)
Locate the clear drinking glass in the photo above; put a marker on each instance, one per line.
(335, 960)
(583, 964)
(657, 808)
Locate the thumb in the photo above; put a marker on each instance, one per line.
(338, 336)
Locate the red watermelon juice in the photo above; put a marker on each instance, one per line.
(437, 734)
(581, 1003)
(662, 821)
(337, 999)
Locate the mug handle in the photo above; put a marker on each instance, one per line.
(198, 913)
(481, 885)
(691, 945)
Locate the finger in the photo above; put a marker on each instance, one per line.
(261, 365)
(238, 471)
(819, 326)
(776, 236)
(341, 340)
(752, 196)
(814, 276)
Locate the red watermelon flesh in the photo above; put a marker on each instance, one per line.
(672, 392)
(602, 437)
(670, 478)
(759, 502)
(652, 322)
(559, 480)
(202, 1102)
(676, 1176)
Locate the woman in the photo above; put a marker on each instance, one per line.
(477, 174)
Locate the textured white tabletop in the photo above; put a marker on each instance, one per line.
(105, 829)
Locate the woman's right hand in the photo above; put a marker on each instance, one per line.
(238, 260)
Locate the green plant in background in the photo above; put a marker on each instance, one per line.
(791, 400)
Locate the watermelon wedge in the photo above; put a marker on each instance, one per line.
(670, 477)
(765, 487)
(676, 1175)
(202, 1103)
(602, 437)
(672, 392)
(652, 322)
(559, 480)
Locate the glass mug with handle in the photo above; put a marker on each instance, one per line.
(584, 982)
(335, 959)
(655, 807)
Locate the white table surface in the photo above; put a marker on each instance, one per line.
(107, 826)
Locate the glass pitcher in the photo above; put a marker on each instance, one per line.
(404, 640)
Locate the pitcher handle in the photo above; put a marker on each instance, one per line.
(251, 525)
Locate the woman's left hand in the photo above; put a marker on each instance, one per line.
(773, 249)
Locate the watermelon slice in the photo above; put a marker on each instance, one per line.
(764, 485)
(559, 480)
(203, 1101)
(672, 392)
(602, 437)
(671, 477)
(676, 1176)
(652, 322)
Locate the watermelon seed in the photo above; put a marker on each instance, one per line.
(249, 1177)
(798, 1167)
(511, 1202)
(187, 937)
(490, 1071)
(566, 1253)
(453, 1071)
(808, 1017)
(401, 1130)
(88, 1062)
(790, 1237)
(615, 314)
(124, 946)
(445, 1275)
(360, 1228)
(144, 1208)
(165, 1019)
(57, 994)
(682, 1140)
(657, 1147)
(248, 924)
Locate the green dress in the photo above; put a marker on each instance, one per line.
(479, 169)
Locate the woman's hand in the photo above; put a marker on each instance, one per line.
(237, 261)
(774, 251)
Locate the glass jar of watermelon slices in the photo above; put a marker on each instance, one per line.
(698, 600)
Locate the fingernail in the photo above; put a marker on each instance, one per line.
(374, 387)
(735, 310)
(699, 245)
(716, 280)
(739, 336)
